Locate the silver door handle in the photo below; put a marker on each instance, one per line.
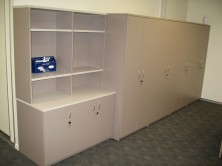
(165, 69)
(168, 68)
(99, 105)
(200, 63)
(143, 74)
(186, 65)
(139, 74)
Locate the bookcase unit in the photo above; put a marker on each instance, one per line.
(63, 112)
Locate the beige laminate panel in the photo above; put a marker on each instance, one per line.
(149, 51)
(160, 46)
(88, 49)
(132, 105)
(64, 85)
(82, 128)
(57, 134)
(87, 80)
(104, 119)
(30, 131)
(115, 39)
(64, 20)
(64, 51)
(43, 86)
(168, 42)
(43, 18)
(43, 44)
(200, 59)
(92, 122)
(85, 21)
(188, 49)
(22, 50)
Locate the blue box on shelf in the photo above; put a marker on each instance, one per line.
(43, 64)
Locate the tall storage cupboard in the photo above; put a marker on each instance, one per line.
(124, 70)
(155, 65)
(64, 112)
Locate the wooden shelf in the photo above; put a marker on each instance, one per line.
(66, 30)
(54, 100)
(89, 31)
(51, 30)
(85, 70)
(50, 75)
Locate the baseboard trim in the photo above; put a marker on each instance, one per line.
(211, 101)
(17, 147)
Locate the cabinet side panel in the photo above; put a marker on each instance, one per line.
(115, 42)
(30, 131)
(22, 53)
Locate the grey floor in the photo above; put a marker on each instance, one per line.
(189, 137)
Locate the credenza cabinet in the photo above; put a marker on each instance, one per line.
(48, 137)
(155, 65)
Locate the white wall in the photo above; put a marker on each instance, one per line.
(176, 9)
(212, 88)
(141, 7)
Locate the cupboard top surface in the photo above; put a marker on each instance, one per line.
(100, 13)
(157, 18)
(58, 9)
(50, 101)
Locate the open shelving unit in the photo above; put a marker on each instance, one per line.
(76, 40)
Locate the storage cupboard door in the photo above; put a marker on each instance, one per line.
(82, 128)
(160, 45)
(187, 53)
(104, 118)
(132, 107)
(169, 49)
(148, 56)
(57, 135)
(203, 35)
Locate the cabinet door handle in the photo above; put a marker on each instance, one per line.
(99, 105)
(200, 63)
(143, 74)
(70, 115)
(186, 66)
(168, 69)
(138, 74)
(165, 69)
(94, 107)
